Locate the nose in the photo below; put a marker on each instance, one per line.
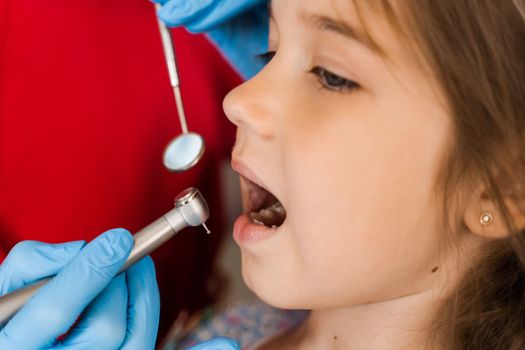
(249, 106)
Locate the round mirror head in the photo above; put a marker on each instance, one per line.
(183, 152)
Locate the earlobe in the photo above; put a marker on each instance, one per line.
(485, 221)
(483, 217)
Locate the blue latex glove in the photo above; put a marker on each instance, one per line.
(220, 343)
(115, 312)
(239, 28)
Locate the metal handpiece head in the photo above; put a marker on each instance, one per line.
(192, 207)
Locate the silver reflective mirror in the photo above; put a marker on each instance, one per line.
(183, 152)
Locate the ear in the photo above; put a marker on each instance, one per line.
(480, 203)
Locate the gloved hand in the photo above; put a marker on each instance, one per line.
(220, 343)
(115, 312)
(239, 28)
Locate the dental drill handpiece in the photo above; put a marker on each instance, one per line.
(190, 210)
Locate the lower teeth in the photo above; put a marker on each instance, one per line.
(259, 222)
(273, 214)
(255, 220)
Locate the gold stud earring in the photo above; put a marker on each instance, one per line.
(485, 218)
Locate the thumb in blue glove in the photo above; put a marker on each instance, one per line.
(82, 276)
(220, 343)
(239, 28)
(29, 261)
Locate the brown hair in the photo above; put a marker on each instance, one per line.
(476, 51)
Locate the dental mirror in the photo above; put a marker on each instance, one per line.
(185, 150)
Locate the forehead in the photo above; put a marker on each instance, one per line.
(377, 23)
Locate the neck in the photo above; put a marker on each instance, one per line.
(394, 325)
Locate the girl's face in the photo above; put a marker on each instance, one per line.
(351, 143)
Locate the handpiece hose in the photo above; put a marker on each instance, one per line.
(190, 210)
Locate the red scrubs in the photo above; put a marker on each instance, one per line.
(86, 110)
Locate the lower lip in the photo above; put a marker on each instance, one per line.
(245, 231)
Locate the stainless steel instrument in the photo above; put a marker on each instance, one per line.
(190, 210)
(185, 150)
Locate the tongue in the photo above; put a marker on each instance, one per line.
(272, 216)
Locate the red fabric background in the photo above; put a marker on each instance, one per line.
(86, 110)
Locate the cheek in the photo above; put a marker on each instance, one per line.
(362, 206)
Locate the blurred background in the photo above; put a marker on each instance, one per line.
(86, 109)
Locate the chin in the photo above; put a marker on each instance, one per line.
(273, 289)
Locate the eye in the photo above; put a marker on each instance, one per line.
(332, 81)
(266, 57)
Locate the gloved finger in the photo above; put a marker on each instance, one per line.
(221, 343)
(103, 323)
(29, 261)
(204, 15)
(143, 306)
(222, 12)
(56, 306)
(179, 12)
(243, 39)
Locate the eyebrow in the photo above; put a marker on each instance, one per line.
(329, 24)
(332, 25)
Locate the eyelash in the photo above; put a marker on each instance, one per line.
(266, 57)
(326, 79)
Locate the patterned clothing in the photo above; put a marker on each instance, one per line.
(249, 324)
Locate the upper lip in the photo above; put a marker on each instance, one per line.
(243, 170)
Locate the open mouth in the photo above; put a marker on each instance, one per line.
(262, 206)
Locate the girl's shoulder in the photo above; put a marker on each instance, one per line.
(248, 323)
